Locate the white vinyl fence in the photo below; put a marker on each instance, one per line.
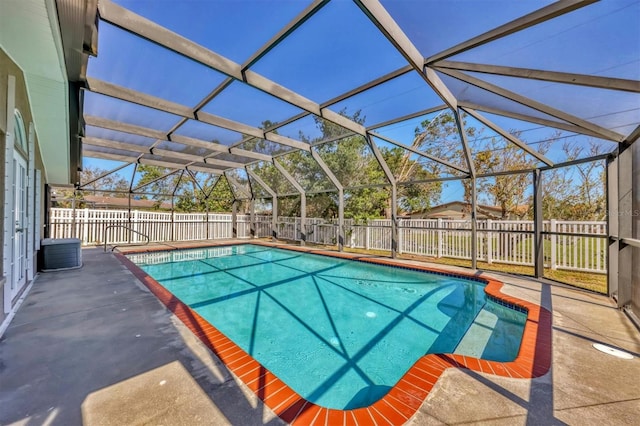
(569, 245)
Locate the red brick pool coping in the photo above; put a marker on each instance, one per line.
(405, 398)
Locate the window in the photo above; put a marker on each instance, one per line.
(21, 136)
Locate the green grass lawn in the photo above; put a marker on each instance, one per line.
(522, 246)
(586, 280)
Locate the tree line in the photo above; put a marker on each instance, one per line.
(571, 193)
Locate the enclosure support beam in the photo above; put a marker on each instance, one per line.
(142, 27)
(538, 241)
(274, 218)
(474, 223)
(152, 181)
(133, 176)
(371, 84)
(539, 106)
(173, 220)
(173, 197)
(394, 195)
(625, 224)
(548, 12)
(234, 219)
(609, 83)
(340, 219)
(252, 217)
(340, 189)
(195, 181)
(303, 200)
(303, 219)
(140, 159)
(47, 212)
(212, 187)
(508, 136)
(73, 214)
(82, 186)
(235, 186)
(75, 130)
(417, 152)
(612, 227)
(162, 137)
(206, 217)
(274, 203)
(110, 191)
(133, 96)
(300, 19)
(407, 117)
(392, 31)
(128, 216)
(523, 117)
(108, 143)
(465, 144)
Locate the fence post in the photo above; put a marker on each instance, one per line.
(134, 226)
(352, 236)
(85, 226)
(367, 236)
(73, 215)
(440, 233)
(252, 219)
(489, 242)
(206, 221)
(171, 236)
(553, 245)
(91, 226)
(234, 219)
(538, 241)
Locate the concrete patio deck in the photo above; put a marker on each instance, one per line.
(93, 346)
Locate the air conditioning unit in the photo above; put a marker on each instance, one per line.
(61, 253)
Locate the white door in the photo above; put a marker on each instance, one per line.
(19, 237)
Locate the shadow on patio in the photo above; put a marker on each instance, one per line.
(94, 346)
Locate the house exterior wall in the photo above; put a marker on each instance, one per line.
(7, 68)
(449, 213)
(452, 211)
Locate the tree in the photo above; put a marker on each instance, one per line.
(439, 136)
(110, 182)
(506, 191)
(352, 163)
(490, 154)
(150, 180)
(215, 195)
(220, 197)
(576, 192)
(212, 194)
(412, 197)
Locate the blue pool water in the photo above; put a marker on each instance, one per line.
(340, 333)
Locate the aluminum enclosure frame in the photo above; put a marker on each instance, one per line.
(428, 69)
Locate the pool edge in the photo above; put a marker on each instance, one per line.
(403, 401)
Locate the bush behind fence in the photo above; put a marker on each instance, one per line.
(504, 241)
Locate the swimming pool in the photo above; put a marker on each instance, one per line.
(340, 333)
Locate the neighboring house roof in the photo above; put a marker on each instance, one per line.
(99, 201)
(456, 208)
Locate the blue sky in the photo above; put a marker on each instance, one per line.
(339, 48)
